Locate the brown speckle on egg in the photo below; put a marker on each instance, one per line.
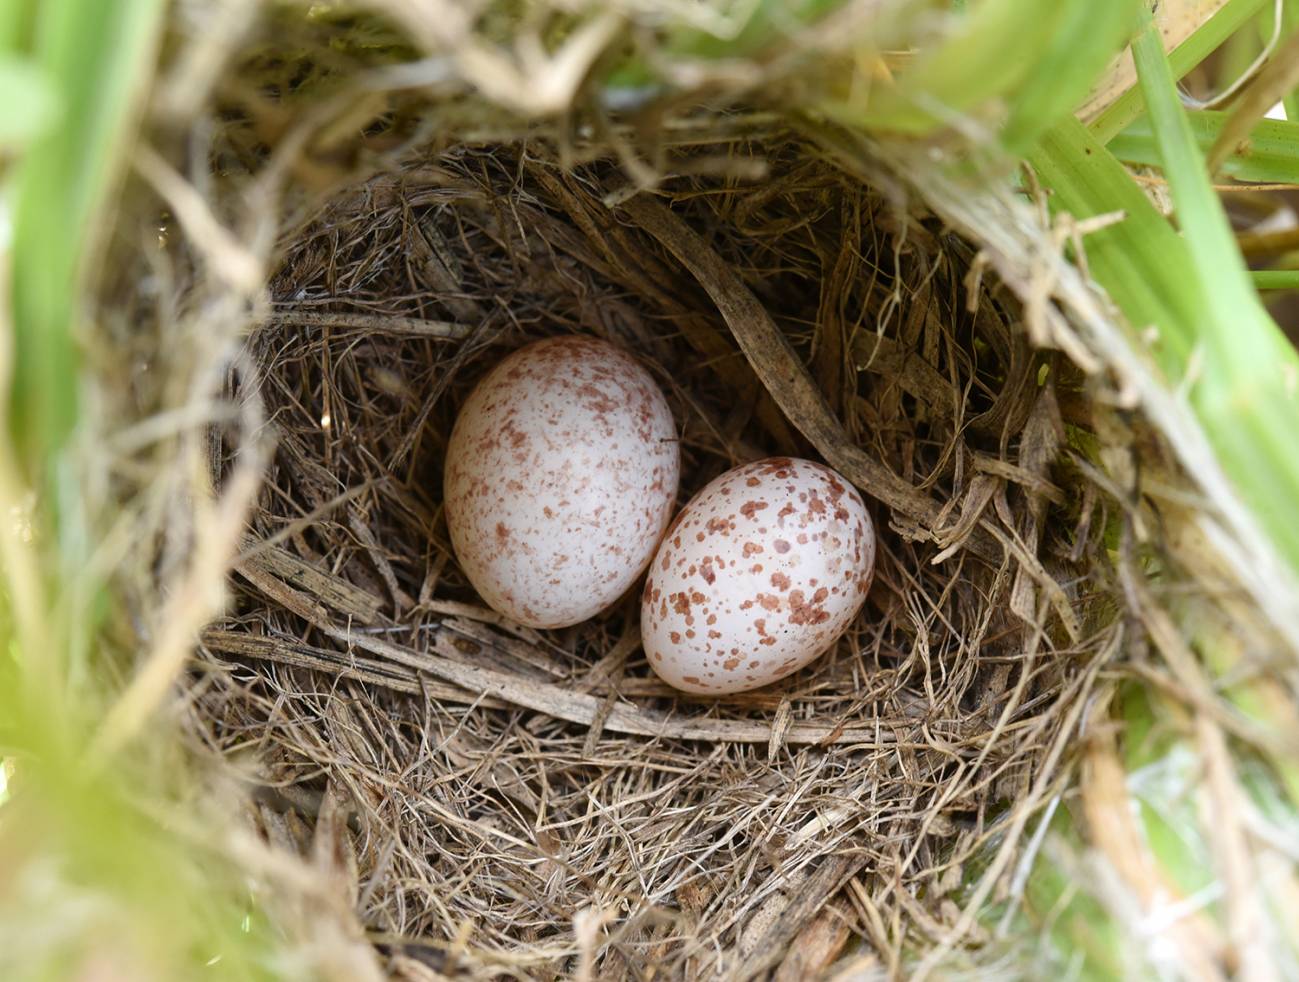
(775, 615)
(565, 455)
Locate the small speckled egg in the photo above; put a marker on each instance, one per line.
(561, 475)
(760, 573)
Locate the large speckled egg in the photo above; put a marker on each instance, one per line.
(560, 478)
(761, 572)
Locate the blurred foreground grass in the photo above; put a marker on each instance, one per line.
(107, 867)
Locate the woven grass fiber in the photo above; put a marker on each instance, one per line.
(509, 779)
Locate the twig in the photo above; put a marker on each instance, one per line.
(394, 324)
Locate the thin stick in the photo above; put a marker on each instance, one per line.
(394, 324)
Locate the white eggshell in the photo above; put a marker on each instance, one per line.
(561, 475)
(760, 573)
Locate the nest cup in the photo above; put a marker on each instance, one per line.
(525, 802)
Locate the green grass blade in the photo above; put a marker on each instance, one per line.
(1234, 15)
(1289, 25)
(30, 105)
(1238, 325)
(1255, 100)
(769, 22)
(1141, 261)
(967, 70)
(1245, 395)
(1271, 156)
(1194, 289)
(1276, 279)
(94, 56)
(1088, 35)
(1243, 389)
(968, 82)
(15, 24)
(106, 869)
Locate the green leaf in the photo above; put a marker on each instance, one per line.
(1141, 261)
(968, 79)
(1221, 280)
(30, 105)
(768, 23)
(15, 24)
(1289, 25)
(1276, 279)
(1272, 154)
(1222, 25)
(1090, 33)
(1194, 295)
(95, 56)
(1195, 290)
(963, 73)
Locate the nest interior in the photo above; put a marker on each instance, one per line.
(538, 803)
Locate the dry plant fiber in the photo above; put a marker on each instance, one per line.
(543, 790)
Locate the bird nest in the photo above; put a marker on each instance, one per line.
(500, 800)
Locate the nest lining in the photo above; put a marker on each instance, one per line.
(519, 799)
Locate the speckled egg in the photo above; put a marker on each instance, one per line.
(560, 478)
(760, 573)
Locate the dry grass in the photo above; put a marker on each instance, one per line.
(532, 803)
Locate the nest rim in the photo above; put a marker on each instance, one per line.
(997, 459)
